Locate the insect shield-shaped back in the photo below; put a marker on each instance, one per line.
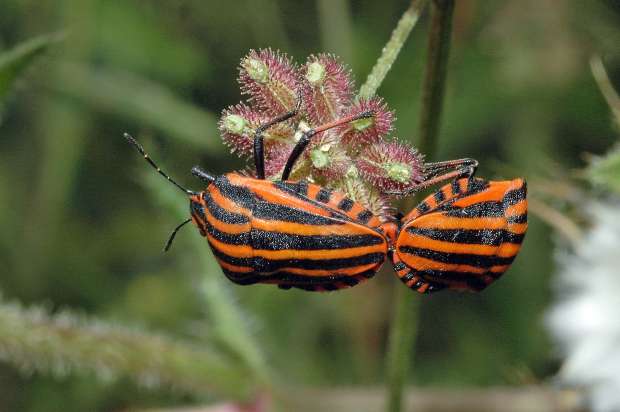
(464, 236)
(293, 234)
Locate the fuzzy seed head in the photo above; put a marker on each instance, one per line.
(327, 88)
(368, 130)
(391, 166)
(271, 81)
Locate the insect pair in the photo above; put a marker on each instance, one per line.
(296, 234)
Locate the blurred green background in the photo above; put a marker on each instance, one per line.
(84, 221)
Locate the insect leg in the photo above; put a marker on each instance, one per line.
(307, 136)
(438, 172)
(259, 152)
(202, 175)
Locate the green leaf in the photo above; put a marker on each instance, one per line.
(605, 171)
(15, 61)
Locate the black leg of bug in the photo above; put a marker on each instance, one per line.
(202, 175)
(259, 147)
(307, 136)
(438, 172)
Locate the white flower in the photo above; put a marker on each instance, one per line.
(585, 320)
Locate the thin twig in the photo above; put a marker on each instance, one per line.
(392, 49)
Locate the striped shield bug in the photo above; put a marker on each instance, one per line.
(292, 234)
(464, 236)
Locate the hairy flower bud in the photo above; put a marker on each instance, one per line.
(238, 125)
(391, 166)
(327, 88)
(368, 130)
(270, 79)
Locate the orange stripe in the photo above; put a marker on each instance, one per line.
(226, 203)
(348, 228)
(420, 263)
(353, 271)
(233, 229)
(236, 251)
(438, 220)
(451, 247)
(517, 209)
(244, 251)
(234, 268)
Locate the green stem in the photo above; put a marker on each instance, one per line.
(435, 75)
(392, 49)
(404, 324)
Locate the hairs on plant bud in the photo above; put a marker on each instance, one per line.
(327, 88)
(239, 123)
(391, 166)
(270, 80)
(372, 129)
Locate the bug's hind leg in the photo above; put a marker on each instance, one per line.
(259, 147)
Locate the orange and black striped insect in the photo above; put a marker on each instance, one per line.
(292, 234)
(464, 236)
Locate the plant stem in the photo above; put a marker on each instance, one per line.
(406, 313)
(435, 74)
(392, 49)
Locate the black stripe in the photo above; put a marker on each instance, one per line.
(476, 185)
(323, 195)
(273, 211)
(264, 240)
(300, 188)
(239, 194)
(293, 279)
(423, 208)
(479, 209)
(517, 219)
(456, 188)
(407, 277)
(399, 266)
(439, 196)
(228, 238)
(222, 214)
(492, 237)
(364, 216)
(263, 265)
(481, 261)
(515, 196)
(346, 204)
(473, 280)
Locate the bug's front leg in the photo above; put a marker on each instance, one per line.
(438, 172)
(259, 147)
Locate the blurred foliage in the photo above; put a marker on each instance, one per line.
(80, 230)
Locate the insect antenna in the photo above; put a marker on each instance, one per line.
(174, 233)
(140, 149)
